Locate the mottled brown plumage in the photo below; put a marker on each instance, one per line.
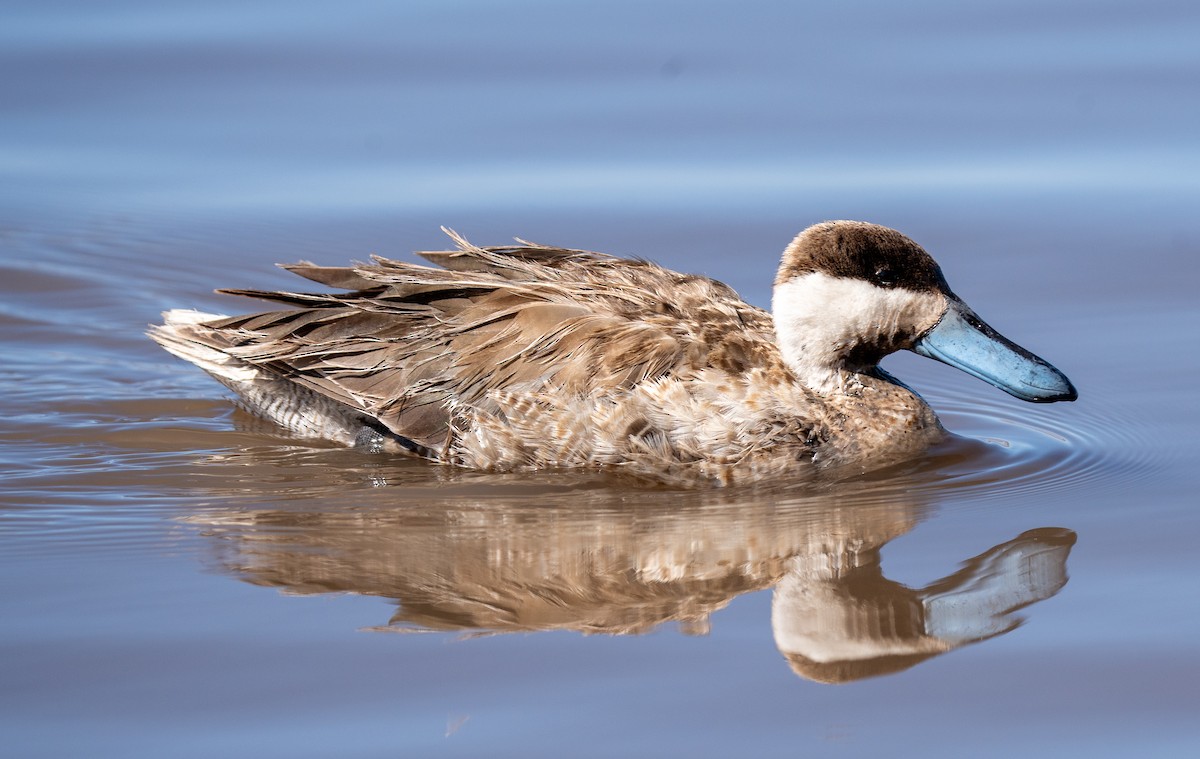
(532, 356)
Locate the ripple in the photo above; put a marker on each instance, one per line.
(1002, 449)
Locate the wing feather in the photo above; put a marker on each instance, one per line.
(408, 342)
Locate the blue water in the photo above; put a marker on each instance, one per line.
(180, 580)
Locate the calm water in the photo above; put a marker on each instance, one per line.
(181, 580)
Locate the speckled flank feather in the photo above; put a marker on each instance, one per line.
(531, 356)
(660, 429)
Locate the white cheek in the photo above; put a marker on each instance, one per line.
(819, 318)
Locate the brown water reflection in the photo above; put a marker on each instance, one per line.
(600, 563)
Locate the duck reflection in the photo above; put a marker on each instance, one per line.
(608, 561)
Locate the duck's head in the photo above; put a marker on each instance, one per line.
(849, 293)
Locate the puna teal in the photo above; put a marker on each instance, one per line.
(528, 356)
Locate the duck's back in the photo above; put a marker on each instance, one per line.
(503, 357)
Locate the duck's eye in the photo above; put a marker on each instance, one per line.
(885, 276)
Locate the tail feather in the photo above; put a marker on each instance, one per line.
(185, 334)
(180, 334)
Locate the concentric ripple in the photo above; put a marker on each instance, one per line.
(1002, 448)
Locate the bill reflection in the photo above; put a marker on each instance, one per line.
(836, 618)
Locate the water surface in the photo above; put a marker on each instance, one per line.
(181, 579)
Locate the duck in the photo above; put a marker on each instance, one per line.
(531, 357)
